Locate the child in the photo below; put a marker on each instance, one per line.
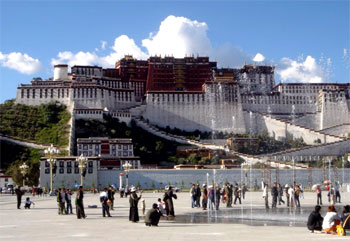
(28, 203)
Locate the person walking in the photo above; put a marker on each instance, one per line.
(134, 200)
(110, 195)
(319, 195)
(237, 193)
(244, 190)
(193, 196)
(59, 201)
(337, 193)
(80, 203)
(104, 202)
(217, 197)
(68, 198)
(286, 191)
(63, 201)
(198, 196)
(228, 192)
(274, 194)
(19, 194)
(205, 197)
(266, 195)
(211, 197)
(280, 194)
(168, 199)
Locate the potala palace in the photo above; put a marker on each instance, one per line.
(192, 93)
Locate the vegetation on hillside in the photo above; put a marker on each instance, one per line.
(150, 148)
(46, 123)
(13, 156)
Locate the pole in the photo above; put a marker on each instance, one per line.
(127, 179)
(81, 177)
(51, 177)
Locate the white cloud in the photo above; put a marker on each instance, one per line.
(80, 58)
(179, 36)
(304, 71)
(103, 44)
(22, 63)
(176, 36)
(259, 58)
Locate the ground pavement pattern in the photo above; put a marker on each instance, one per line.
(43, 223)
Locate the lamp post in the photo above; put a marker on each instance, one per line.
(50, 153)
(127, 166)
(82, 160)
(24, 167)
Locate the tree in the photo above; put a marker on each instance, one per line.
(159, 146)
(194, 158)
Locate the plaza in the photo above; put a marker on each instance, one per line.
(43, 223)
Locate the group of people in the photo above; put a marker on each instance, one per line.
(212, 195)
(64, 201)
(293, 194)
(331, 221)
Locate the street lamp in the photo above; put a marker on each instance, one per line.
(127, 166)
(82, 160)
(50, 153)
(24, 167)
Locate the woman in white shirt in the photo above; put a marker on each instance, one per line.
(331, 220)
(291, 196)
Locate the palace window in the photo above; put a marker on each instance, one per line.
(69, 170)
(76, 170)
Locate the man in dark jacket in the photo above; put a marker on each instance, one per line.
(315, 220)
(198, 196)
(19, 194)
(111, 197)
(79, 203)
(152, 216)
(274, 194)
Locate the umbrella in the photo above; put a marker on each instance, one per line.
(315, 186)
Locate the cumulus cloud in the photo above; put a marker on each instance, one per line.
(179, 36)
(80, 58)
(304, 71)
(259, 58)
(176, 36)
(22, 63)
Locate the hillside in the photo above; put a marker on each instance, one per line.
(151, 148)
(45, 124)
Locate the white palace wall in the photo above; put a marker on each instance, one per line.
(192, 112)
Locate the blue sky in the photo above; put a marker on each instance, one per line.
(308, 41)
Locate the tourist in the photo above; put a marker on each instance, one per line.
(237, 193)
(28, 203)
(315, 220)
(331, 220)
(193, 196)
(345, 217)
(291, 196)
(121, 192)
(63, 200)
(211, 197)
(198, 196)
(280, 194)
(332, 195)
(228, 193)
(79, 203)
(59, 201)
(301, 194)
(205, 197)
(152, 216)
(110, 195)
(266, 196)
(274, 194)
(134, 200)
(19, 194)
(319, 195)
(337, 193)
(297, 196)
(217, 197)
(104, 202)
(68, 198)
(161, 206)
(244, 190)
(286, 191)
(168, 199)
